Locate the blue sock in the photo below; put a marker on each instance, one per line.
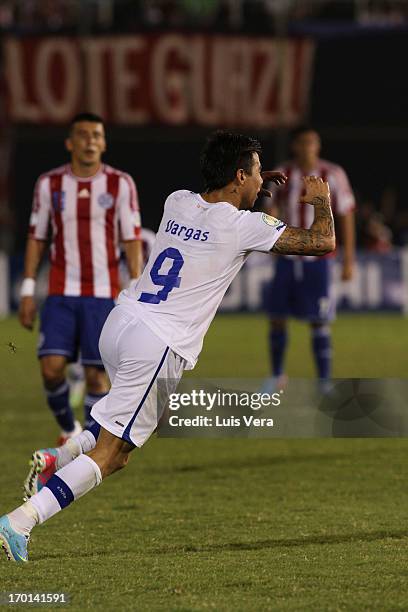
(277, 346)
(321, 345)
(89, 401)
(58, 401)
(94, 428)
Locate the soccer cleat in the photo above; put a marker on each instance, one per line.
(43, 465)
(14, 544)
(66, 435)
(274, 384)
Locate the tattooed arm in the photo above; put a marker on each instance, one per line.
(320, 238)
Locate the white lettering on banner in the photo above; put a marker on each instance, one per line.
(235, 91)
(126, 81)
(169, 84)
(58, 106)
(203, 96)
(93, 50)
(265, 85)
(169, 78)
(285, 76)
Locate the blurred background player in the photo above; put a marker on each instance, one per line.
(302, 285)
(90, 206)
(75, 371)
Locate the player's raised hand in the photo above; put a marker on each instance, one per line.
(316, 190)
(27, 312)
(272, 176)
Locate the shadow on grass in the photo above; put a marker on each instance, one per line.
(254, 462)
(371, 536)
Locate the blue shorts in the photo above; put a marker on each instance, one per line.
(69, 325)
(302, 289)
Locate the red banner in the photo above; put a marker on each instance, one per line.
(173, 79)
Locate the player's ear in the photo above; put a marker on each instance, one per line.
(68, 144)
(240, 176)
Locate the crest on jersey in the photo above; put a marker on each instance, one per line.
(269, 220)
(105, 200)
(58, 200)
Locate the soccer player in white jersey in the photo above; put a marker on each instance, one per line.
(157, 329)
(302, 286)
(90, 207)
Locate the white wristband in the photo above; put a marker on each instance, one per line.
(27, 287)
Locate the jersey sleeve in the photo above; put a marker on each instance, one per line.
(258, 231)
(341, 192)
(41, 210)
(129, 213)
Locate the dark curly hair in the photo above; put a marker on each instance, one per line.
(223, 154)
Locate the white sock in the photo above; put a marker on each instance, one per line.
(65, 486)
(24, 518)
(75, 446)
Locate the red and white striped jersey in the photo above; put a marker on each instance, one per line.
(88, 217)
(287, 198)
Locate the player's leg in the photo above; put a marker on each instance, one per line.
(97, 386)
(57, 346)
(45, 462)
(57, 392)
(319, 310)
(76, 382)
(141, 359)
(278, 339)
(279, 307)
(322, 350)
(93, 314)
(65, 486)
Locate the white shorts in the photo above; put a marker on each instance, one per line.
(135, 359)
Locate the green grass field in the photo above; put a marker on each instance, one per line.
(225, 525)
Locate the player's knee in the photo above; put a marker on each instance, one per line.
(53, 375)
(109, 462)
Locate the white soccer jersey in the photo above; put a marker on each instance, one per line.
(199, 249)
(88, 216)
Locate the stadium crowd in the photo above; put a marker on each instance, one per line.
(252, 15)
